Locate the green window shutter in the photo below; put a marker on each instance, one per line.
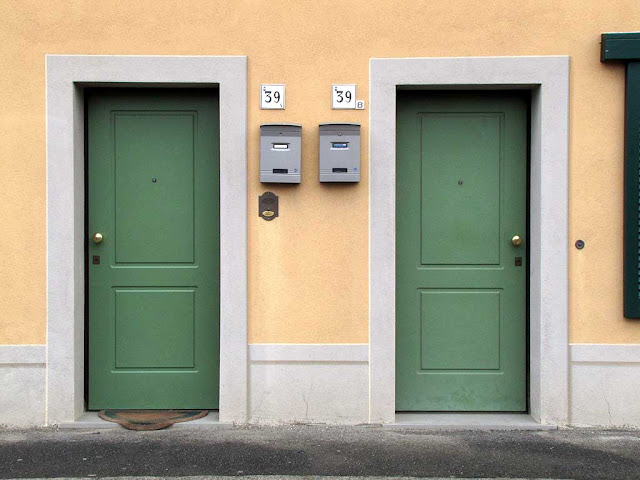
(625, 47)
(632, 193)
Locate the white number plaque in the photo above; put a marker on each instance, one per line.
(272, 97)
(343, 96)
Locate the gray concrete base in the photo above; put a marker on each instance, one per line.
(468, 421)
(92, 421)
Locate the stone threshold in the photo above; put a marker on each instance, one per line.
(467, 421)
(92, 421)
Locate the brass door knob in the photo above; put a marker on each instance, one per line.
(97, 237)
(516, 240)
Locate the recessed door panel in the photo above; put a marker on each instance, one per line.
(154, 186)
(460, 330)
(154, 328)
(461, 188)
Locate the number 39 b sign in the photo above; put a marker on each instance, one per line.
(343, 96)
(272, 97)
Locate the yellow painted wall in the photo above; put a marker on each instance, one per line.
(308, 279)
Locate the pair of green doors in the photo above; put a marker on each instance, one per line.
(153, 195)
(153, 248)
(461, 251)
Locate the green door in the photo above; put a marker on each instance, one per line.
(460, 281)
(153, 300)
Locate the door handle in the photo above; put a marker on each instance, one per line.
(516, 240)
(97, 237)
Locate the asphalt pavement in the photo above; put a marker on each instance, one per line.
(312, 451)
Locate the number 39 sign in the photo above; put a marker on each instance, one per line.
(343, 96)
(272, 96)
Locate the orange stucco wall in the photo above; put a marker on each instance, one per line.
(314, 289)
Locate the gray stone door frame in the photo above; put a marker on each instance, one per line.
(67, 76)
(548, 80)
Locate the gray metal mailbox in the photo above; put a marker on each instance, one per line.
(339, 152)
(280, 152)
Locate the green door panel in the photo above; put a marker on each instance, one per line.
(149, 144)
(461, 323)
(153, 298)
(447, 212)
(449, 320)
(150, 328)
